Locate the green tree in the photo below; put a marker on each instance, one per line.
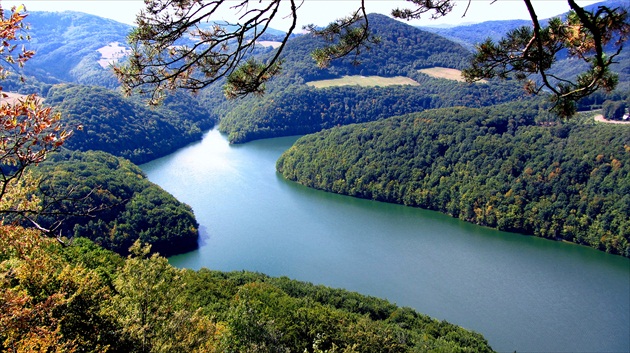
(28, 131)
(47, 304)
(614, 110)
(150, 309)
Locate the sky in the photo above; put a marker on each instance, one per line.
(321, 12)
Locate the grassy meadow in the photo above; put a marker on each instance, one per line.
(364, 81)
(444, 72)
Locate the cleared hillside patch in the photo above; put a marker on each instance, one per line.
(269, 43)
(11, 97)
(447, 73)
(111, 53)
(364, 81)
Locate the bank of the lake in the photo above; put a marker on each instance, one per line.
(522, 293)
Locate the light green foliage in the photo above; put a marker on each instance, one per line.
(49, 304)
(264, 314)
(86, 298)
(150, 309)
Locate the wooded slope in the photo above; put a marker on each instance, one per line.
(492, 166)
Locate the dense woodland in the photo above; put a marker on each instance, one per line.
(301, 109)
(513, 167)
(125, 127)
(129, 206)
(493, 166)
(84, 298)
(292, 108)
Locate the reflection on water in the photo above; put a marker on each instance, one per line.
(522, 293)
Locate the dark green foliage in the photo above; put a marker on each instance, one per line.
(614, 110)
(596, 100)
(134, 208)
(286, 315)
(127, 128)
(490, 166)
(142, 304)
(301, 110)
(290, 107)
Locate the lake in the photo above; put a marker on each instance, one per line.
(522, 293)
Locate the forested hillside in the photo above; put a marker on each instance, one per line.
(125, 127)
(291, 107)
(471, 34)
(129, 207)
(66, 44)
(84, 298)
(303, 109)
(492, 166)
(402, 50)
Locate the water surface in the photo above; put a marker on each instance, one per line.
(522, 293)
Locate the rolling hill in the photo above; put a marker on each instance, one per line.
(67, 44)
(293, 107)
(470, 35)
(125, 127)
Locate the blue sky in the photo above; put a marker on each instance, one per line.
(320, 12)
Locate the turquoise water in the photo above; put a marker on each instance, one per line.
(522, 293)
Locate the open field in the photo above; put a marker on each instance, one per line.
(111, 53)
(364, 81)
(443, 72)
(269, 43)
(601, 119)
(11, 97)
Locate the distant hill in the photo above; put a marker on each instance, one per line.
(67, 44)
(470, 35)
(292, 107)
(402, 49)
(126, 127)
(77, 47)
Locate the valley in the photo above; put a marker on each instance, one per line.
(480, 278)
(450, 216)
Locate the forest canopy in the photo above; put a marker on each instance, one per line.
(129, 206)
(126, 127)
(84, 298)
(494, 166)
